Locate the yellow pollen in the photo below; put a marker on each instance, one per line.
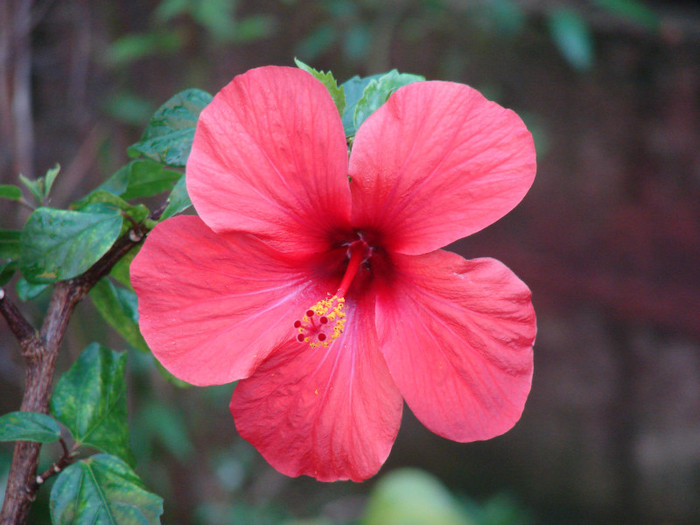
(322, 323)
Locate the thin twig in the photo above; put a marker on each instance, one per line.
(65, 460)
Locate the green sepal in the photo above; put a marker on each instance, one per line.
(102, 489)
(118, 307)
(61, 244)
(29, 426)
(168, 137)
(90, 400)
(328, 80)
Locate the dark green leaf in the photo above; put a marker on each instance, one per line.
(61, 244)
(131, 48)
(90, 400)
(118, 306)
(378, 92)
(254, 27)
(573, 38)
(120, 271)
(139, 178)
(168, 137)
(27, 290)
(178, 201)
(329, 81)
(7, 270)
(29, 426)
(631, 10)
(147, 178)
(117, 182)
(110, 203)
(10, 244)
(11, 192)
(102, 489)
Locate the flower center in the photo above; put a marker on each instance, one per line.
(324, 322)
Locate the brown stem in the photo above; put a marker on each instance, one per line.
(66, 459)
(40, 351)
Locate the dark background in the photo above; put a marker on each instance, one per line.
(608, 239)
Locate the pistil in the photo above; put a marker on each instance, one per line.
(325, 321)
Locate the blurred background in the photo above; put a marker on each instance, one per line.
(608, 239)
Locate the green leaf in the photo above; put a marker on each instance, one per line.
(10, 244)
(353, 89)
(147, 178)
(61, 244)
(117, 182)
(27, 290)
(254, 27)
(50, 178)
(168, 137)
(90, 400)
(110, 203)
(29, 426)
(411, 496)
(632, 10)
(11, 192)
(120, 271)
(131, 48)
(118, 306)
(327, 79)
(34, 186)
(102, 489)
(139, 178)
(572, 36)
(178, 201)
(378, 92)
(7, 270)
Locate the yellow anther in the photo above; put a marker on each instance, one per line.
(322, 323)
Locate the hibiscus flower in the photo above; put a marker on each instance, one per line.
(317, 279)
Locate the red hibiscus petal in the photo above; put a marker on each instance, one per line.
(463, 360)
(330, 413)
(211, 307)
(269, 158)
(436, 163)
